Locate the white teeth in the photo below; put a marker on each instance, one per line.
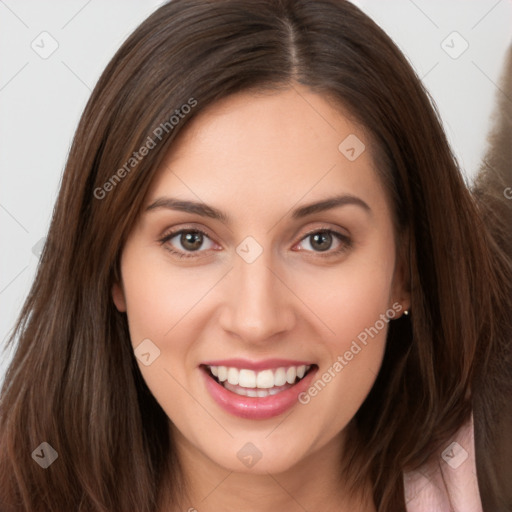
(265, 379)
(247, 378)
(223, 373)
(233, 376)
(262, 380)
(291, 374)
(255, 392)
(280, 377)
(241, 391)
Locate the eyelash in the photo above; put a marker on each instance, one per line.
(346, 242)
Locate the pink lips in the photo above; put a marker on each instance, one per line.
(256, 408)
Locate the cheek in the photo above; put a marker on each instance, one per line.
(352, 296)
(353, 301)
(160, 301)
(166, 304)
(158, 296)
(356, 313)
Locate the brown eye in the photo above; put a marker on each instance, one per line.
(191, 240)
(321, 241)
(185, 242)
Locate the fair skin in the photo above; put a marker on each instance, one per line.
(257, 158)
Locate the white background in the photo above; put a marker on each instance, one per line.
(41, 99)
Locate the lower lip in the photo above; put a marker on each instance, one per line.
(256, 408)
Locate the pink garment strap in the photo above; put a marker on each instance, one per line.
(448, 483)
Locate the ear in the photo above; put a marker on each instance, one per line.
(118, 297)
(404, 299)
(401, 296)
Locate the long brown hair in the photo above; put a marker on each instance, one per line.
(74, 382)
(492, 404)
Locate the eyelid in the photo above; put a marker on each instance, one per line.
(330, 229)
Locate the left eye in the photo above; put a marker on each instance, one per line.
(322, 241)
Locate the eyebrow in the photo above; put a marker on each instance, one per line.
(209, 211)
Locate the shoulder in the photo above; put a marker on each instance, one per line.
(448, 482)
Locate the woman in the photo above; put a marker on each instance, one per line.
(266, 285)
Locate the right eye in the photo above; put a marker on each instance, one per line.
(191, 241)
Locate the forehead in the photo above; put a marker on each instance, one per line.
(251, 151)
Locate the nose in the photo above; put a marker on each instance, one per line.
(259, 305)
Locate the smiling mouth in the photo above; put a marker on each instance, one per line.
(258, 384)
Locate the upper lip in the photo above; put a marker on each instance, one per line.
(256, 365)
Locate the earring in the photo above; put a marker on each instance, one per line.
(406, 312)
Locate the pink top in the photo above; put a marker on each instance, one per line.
(448, 483)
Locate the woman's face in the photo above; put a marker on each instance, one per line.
(265, 253)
